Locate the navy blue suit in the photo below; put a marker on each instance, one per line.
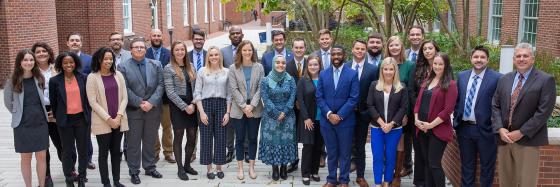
(164, 58)
(341, 101)
(477, 138)
(267, 57)
(369, 74)
(86, 63)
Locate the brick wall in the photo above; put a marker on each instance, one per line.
(474, 17)
(237, 17)
(549, 169)
(548, 37)
(21, 25)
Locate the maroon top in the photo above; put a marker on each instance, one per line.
(112, 94)
(442, 105)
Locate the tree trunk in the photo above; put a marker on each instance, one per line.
(466, 4)
(389, 18)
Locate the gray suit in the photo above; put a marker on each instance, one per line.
(238, 89)
(125, 55)
(143, 125)
(14, 102)
(227, 53)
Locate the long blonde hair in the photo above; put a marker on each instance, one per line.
(389, 61)
(186, 63)
(220, 63)
(402, 56)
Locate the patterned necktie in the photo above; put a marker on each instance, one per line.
(470, 97)
(299, 69)
(198, 61)
(336, 76)
(514, 96)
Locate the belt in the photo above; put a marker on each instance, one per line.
(469, 122)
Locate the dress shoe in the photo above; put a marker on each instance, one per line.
(328, 185)
(118, 184)
(190, 170)
(293, 167)
(275, 173)
(220, 174)
(362, 182)
(170, 159)
(182, 175)
(283, 172)
(211, 175)
(91, 165)
(229, 157)
(315, 178)
(154, 174)
(134, 179)
(306, 181)
(48, 181)
(406, 172)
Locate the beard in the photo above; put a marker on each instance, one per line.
(155, 45)
(374, 54)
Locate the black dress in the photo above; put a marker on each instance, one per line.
(425, 105)
(32, 134)
(179, 118)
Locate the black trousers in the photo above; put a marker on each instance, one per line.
(432, 150)
(110, 143)
(55, 138)
(419, 164)
(408, 133)
(359, 144)
(74, 135)
(311, 153)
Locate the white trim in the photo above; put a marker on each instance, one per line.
(212, 10)
(490, 28)
(195, 12)
(220, 10)
(168, 14)
(205, 11)
(186, 12)
(128, 4)
(155, 16)
(521, 28)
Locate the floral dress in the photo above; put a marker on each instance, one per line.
(277, 145)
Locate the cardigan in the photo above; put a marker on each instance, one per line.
(442, 105)
(96, 96)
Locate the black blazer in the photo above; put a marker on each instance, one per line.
(291, 68)
(308, 109)
(57, 96)
(397, 107)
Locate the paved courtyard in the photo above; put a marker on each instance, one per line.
(10, 175)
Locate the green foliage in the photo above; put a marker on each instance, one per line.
(553, 122)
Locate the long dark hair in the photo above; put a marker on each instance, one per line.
(98, 57)
(46, 47)
(422, 64)
(17, 75)
(447, 76)
(239, 58)
(60, 58)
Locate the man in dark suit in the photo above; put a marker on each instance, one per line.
(163, 55)
(337, 97)
(325, 44)
(278, 45)
(366, 74)
(144, 81)
(375, 49)
(521, 106)
(74, 43)
(472, 120)
(198, 54)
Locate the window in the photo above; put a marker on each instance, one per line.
(528, 21)
(212, 10)
(495, 21)
(195, 17)
(154, 6)
(127, 18)
(168, 14)
(186, 12)
(220, 9)
(205, 11)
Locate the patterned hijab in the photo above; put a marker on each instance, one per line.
(276, 77)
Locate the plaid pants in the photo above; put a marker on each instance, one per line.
(213, 135)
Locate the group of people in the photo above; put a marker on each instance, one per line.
(405, 98)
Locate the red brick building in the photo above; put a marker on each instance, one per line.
(23, 23)
(514, 21)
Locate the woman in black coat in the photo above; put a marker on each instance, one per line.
(67, 93)
(308, 124)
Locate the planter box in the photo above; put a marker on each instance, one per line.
(549, 169)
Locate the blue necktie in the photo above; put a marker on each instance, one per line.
(413, 57)
(336, 76)
(156, 55)
(198, 61)
(470, 97)
(326, 60)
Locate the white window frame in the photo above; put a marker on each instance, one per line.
(155, 16)
(522, 23)
(205, 11)
(220, 9)
(212, 10)
(186, 12)
(195, 12)
(491, 24)
(168, 14)
(127, 19)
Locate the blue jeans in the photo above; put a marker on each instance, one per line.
(384, 150)
(246, 127)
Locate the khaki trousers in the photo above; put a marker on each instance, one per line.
(518, 165)
(167, 133)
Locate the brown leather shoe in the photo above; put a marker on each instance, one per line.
(170, 159)
(362, 182)
(405, 172)
(329, 185)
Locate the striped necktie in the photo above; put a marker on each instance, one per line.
(470, 97)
